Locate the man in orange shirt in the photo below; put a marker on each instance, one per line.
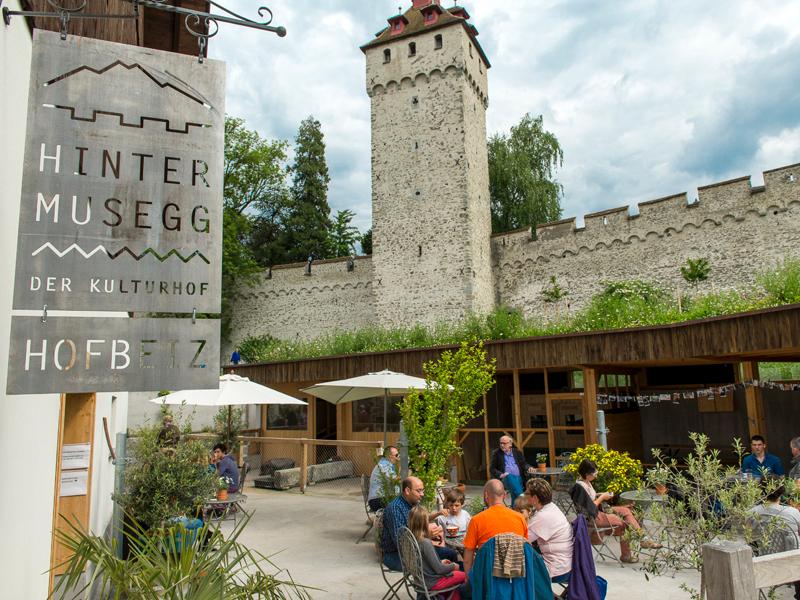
(496, 519)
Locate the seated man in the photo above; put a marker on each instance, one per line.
(509, 466)
(550, 529)
(760, 461)
(226, 466)
(395, 517)
(383, 474)
(496, 519)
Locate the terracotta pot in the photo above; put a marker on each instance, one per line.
(661, 489)
(461, 488)
(222, 494)
(542, 467)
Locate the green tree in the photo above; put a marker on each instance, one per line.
(432, 417)
(343, 235)
(366, 242)
(239, 266)
(522, 185)
(696, 270)
(308, 223)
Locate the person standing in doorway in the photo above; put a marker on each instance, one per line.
(509, 466)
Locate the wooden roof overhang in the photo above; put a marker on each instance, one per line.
(765, 335)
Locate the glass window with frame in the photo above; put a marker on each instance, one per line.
(368, 414)
(287, 417)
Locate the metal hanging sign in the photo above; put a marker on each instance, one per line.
(121, 206)
(73, 354)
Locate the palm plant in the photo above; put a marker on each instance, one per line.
(170, 563)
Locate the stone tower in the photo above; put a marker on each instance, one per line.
(426, 77)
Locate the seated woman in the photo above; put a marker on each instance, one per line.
(621, 518)
(439, 574)
(550, 530)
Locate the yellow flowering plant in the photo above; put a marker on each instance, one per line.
(616, 471)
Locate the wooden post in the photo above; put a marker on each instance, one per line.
(517, 410)
(589, 406)
(486, 437)
(728, 571)
(551, 435)
(304, 467)
(752, 395)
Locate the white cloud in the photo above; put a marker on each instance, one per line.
(647, 97)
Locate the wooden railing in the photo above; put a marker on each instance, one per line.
(298, 449)
(731, 573)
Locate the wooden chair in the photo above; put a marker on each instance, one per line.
(371, 514)
(411, 557)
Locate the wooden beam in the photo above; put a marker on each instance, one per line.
(551, 436)
(589, 406)
(486, 437)
(753, 402)
(517, 411)
(776, 569)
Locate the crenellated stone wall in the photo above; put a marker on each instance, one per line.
(740, 229)
(292, 305)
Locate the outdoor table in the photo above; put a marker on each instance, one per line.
(228, 508)
(645, 498)
(549, 472)
(455, 542)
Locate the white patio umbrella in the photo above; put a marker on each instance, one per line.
(386, 383)
(233, 390)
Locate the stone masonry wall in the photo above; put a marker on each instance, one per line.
(291, 305)
(426, 236)
(741, 231)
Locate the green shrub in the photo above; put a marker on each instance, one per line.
(782, 283)
(617, 472)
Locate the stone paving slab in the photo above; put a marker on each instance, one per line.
(313, 537)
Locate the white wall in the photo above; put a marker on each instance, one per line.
(29, 424)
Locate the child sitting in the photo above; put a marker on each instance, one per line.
(438, 574)
(453, 515)
(523, 506)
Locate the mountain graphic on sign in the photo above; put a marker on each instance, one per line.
(128, 95)
(124, 250)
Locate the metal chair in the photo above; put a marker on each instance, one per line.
(394, 586)
(561, 493)
(598, 535)
(371, 514)
(411, 557)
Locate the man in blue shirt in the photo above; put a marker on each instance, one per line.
(760, 461)
(384, 473)
(226, 466)
(395, 517)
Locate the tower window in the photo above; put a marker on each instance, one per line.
(412, 49)
(437, 42)
(387, 56)
(470, 50)
(414, 100)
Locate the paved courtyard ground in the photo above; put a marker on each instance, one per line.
(313, 536)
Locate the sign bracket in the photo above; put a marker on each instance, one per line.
(202, 25)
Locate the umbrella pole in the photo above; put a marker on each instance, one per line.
(385, 412)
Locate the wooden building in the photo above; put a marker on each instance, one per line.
(547, 389)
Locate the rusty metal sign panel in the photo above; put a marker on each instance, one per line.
(73, 354)
(121, 204)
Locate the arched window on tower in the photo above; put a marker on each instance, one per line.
(412, 49)
(437, 41)
(387, 56)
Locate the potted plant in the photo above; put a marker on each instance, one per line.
(658, 477)
(541, 461)
(223, 483)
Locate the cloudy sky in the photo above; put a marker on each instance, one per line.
(648, 97)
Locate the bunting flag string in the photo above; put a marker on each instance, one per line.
(643, 400)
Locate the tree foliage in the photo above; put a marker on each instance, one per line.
(343, 235)
(308, 221)
(366, 242)
(432, 417)
(695, 270)
(522, 184)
